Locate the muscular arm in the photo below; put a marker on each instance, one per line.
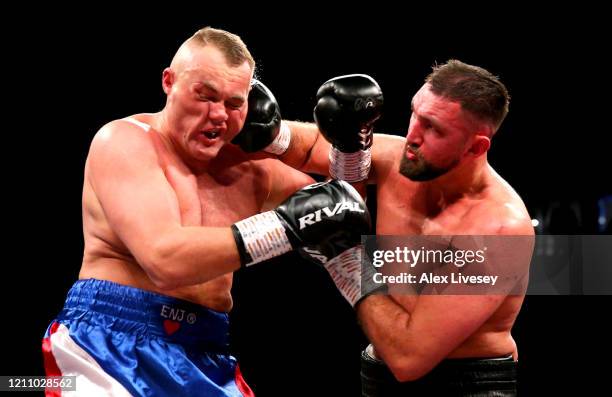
(411, 344)
(283, 182)
(142, 210)
(308, 151)
(412, 334)
(387, 150)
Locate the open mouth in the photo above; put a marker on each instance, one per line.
(210, 137)
(211, 134)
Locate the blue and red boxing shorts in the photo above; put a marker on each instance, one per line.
(119, 340)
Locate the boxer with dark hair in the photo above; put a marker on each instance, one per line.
(435, 181)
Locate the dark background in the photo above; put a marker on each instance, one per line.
(67, 75)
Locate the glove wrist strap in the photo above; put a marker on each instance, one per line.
(350, 167)
(280, 144)
(354, 277)
(263, 237)
(345, 271)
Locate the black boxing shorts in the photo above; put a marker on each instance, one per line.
(452, 377)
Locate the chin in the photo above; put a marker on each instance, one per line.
(207, 153)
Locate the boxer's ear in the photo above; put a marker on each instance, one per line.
(480, 145)
(167, 80)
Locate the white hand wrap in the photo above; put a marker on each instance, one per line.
(280, 144)
(350, 167)
(345, 270)
(264, 237)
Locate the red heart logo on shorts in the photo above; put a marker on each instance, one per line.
(171, 326)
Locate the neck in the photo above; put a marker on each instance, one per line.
(466, 180)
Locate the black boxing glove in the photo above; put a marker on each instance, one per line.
(346, 109)
(262, 128)
(320, 221)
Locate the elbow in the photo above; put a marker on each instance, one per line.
(408, 369)
(163, 279)
(161, 269)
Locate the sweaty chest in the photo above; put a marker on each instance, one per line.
(217, 201)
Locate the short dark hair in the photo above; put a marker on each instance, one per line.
(476, 89)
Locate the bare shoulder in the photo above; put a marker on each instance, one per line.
(386, 152)
(119, 146)
(504, 210)
(502, 216)
(118, 132)
(121, 138)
